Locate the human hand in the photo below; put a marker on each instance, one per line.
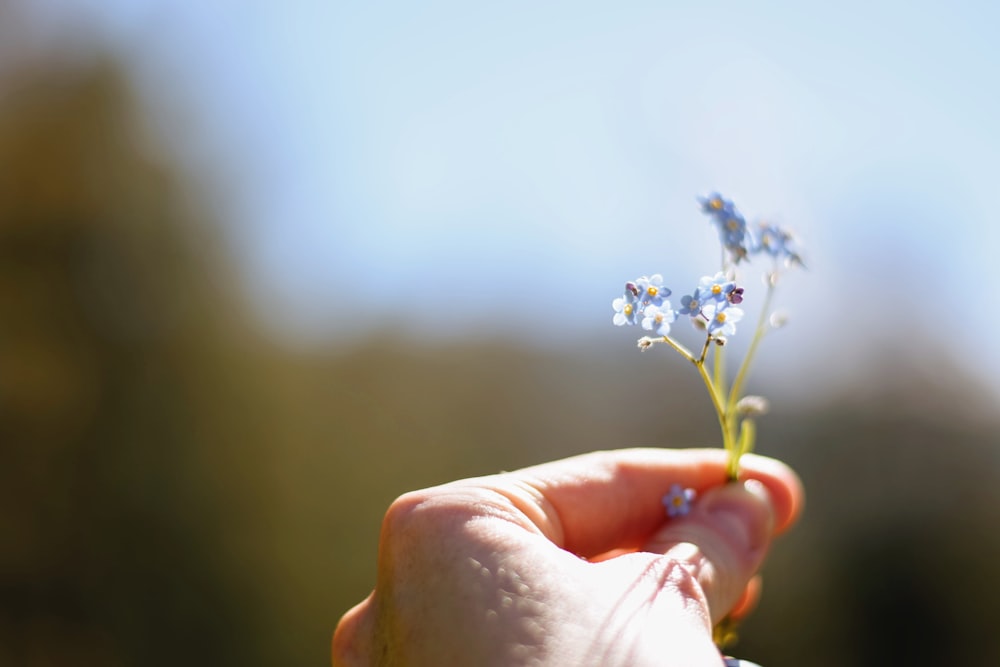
(572, 562)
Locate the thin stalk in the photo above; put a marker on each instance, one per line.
(741, 375)
(680, 348)
(719, 370)
(728, 438)
(704, 350)
(720, 411)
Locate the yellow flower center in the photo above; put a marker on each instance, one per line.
(652, 291)
(732, 224)
(716, 289)
(720, 317)
(716, 203)
(677, 501)
(627, 309)
(693, 304)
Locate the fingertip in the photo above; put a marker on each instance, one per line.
(748, 601)
(347, 646)
(744, 512)
(784, 488)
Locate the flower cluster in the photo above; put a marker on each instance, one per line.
(713, 306)
(742, 240)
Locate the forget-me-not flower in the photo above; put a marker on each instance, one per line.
(678, 501)
(734, 236)
(714, 204)
(658, 318)
(717, 288)
(691, 304)
(776, 242)
(732, 226)
(651, 291)
(722, 319)
(626, 308)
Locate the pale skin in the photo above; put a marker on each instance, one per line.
(572, 562)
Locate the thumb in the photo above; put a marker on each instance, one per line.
(722, 541)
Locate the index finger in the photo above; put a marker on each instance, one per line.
(597, 502)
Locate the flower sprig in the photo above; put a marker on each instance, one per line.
(713, 306)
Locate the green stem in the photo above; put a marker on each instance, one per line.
(719, 370)
(741, 375)
(680, 348)
(704, 349)
(727, 436)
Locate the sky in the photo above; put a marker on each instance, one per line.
(444, 169)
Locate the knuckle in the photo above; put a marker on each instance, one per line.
(404, 512)
(348, 645)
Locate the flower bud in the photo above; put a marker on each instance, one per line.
(753, 406)
(778, 319)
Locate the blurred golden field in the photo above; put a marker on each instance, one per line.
(178, 488)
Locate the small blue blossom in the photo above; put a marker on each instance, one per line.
(734, 236)
(717, 288)
(626, 308)
(715, 204)
(658, 318)
(732, 226)
(722, 319)
(651, 291)
(692, 304)
(776, 242)
(678, 501)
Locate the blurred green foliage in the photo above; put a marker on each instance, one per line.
(177, 489)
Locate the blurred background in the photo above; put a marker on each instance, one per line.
(266, 266)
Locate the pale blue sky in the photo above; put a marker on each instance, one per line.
(455, 167)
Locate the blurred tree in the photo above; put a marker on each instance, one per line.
(120, 357)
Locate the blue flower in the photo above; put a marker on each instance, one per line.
(722, 319)
(626, 307)
(734, 236)
(658, 318)
(715, 204)
(731, 224)
(692, 304)
(651, 291)
(678, 501)
(717, 287)
(776, 242)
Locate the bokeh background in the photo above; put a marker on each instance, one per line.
(265, 266)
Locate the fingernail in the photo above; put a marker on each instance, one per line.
(745, 510)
